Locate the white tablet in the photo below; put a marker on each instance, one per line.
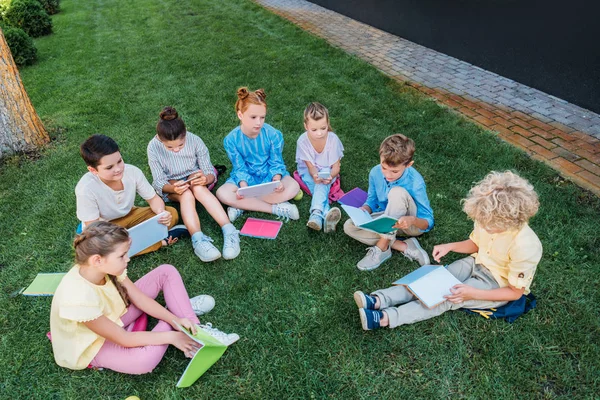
(259, 190)
(146, 234)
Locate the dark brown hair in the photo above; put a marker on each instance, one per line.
(101, 238)
(95, 147)
(170, 126)
(246, 97)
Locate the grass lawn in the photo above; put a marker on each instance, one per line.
(111, 66)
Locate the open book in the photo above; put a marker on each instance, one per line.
(429, 284)
(259, 190)
(362, 219)
(210, 352)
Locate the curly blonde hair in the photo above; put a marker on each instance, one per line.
(501, 201)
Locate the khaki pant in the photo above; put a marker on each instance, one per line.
(400, 204)
(411, 310)
(137, 215)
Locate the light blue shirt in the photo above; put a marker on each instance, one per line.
(411, 181)
(255, 160)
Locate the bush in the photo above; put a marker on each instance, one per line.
(51, 6)
(21, 45)
(30, 16)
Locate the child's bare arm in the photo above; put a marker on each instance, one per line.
(461, 293)
(465, 247)
(335, 169)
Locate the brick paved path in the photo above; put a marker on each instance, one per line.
(562, 135)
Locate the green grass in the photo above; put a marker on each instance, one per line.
(111, 66)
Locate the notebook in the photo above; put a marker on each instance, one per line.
(44, 284)
(205, 357)
(258, 190)
(355, 198)
(362, 219)
(146, 234)
(429, 284)
(261, 228)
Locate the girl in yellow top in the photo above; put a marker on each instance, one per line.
(95, 302)
(504, 254)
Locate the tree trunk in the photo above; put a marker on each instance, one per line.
(20, 127)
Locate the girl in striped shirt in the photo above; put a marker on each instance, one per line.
(255, 150)
(182, 170)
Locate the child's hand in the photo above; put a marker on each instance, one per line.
(180, 187)
(186, 323)
(199, 179)
(461, 293)
(326, 181)
(317, 179)
(165, 218)
(184, 343)
(404, 222)
(279, 188)
(440, 251)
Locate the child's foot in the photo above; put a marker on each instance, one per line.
(204, 249)
(315, 221)
(415, 252)
(233, 213)
(365, 301)
(231, 245)
(225, 338)
(375, 256)
(332, 218)
(370, 319)
(176, 232)
(202, 304)
(286, 211)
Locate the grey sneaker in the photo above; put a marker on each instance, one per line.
(225, 338)
(205, 250)
(374, 258)
(202, 304)
(233, 213)
(315, 221)
(231, 245)
(415, 252)
(332, 218)
(286, 211)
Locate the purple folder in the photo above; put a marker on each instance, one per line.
(355, 198)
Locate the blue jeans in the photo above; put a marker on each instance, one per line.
(320, 193)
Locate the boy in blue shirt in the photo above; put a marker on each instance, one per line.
(398, 190)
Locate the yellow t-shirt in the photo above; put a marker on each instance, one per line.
(511, 256)
(75, 301)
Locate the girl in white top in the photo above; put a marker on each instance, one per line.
(182, 170)
(318, 154)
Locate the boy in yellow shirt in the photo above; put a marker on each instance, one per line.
(504, 256)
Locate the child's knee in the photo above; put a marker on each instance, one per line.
(349, 227)
(398, 193)
(166, 269)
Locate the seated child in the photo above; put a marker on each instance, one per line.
(504, 252)
(96, 302)
(255, 151)
(107, 191)
(175, 156)
(398, 190)
(318, 149)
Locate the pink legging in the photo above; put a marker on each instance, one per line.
(141, 360)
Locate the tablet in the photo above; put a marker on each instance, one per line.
(259, 190)
(146, 234)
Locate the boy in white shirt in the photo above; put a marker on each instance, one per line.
(107, 192)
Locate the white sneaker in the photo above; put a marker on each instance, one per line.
(286, 211)
(332, 218)
(231, 245)
(225, 338)
(205, 250)
(233, 213)
(374, 258)
(202, 304)
(415, 252)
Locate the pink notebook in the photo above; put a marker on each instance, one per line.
(261, 228)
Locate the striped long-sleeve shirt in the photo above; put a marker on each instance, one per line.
(166, 165)
(255, 160)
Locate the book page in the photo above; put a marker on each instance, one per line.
(358, 215)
